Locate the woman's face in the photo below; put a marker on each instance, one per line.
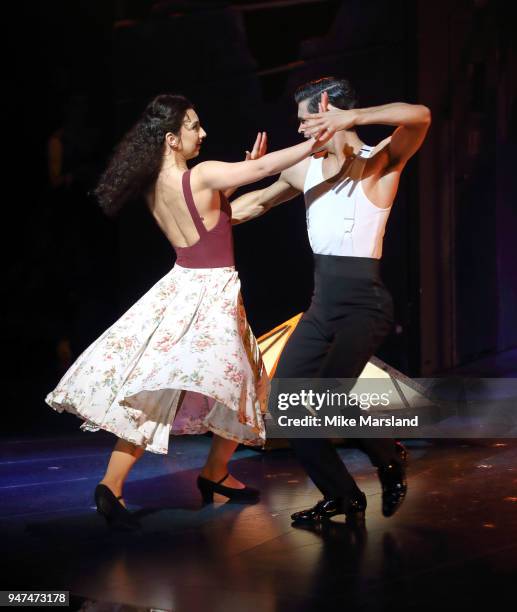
(191, 135)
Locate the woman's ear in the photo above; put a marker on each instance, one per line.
(171, 140)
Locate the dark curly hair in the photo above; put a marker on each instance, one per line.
(340, 92)
(137, 159)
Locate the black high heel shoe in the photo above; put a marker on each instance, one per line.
(207, 489)
(109, 506)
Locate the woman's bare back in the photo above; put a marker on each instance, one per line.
(169, 208)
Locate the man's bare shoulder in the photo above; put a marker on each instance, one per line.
(378, 160)
(380, 150)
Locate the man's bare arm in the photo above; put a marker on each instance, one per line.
(412, 121)
(389, 157)
(255, 203)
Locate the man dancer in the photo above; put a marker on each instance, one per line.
(349, 190)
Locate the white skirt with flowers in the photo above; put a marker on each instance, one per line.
(187, 333)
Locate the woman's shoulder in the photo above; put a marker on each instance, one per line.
(198, 174)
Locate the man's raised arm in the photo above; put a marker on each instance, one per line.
(411, 120)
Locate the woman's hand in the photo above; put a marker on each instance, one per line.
(259, 148)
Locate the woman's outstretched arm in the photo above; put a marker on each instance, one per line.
(222, 176)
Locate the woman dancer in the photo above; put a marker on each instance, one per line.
(183, 358)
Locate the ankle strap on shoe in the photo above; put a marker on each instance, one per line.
(223, 479)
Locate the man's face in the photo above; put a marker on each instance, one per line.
(302, 110)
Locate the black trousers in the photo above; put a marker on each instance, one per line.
(351, 313)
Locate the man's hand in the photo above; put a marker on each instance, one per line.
(329, 120)
(323, 134)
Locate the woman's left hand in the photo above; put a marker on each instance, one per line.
(259, 147)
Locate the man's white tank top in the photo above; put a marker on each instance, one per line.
(341, 220)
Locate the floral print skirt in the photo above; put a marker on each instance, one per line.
(188, 333)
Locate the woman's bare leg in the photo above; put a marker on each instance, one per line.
(216, 466)
(122, 459)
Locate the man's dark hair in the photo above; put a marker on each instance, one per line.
(340, 92)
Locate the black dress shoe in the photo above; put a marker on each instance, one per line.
(394, 483)
(117, 516)
(402, 452)
(207, 488)
(325, 509)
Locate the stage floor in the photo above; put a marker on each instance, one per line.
(452, 546)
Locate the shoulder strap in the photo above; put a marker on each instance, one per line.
(365, 151)
(314, 174)
(364, 154)
(189, 199)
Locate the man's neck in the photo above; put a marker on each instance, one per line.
(345, 144)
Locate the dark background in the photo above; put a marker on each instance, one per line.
(80, 72)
